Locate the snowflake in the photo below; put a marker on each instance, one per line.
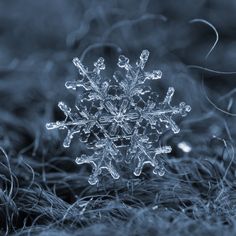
(119, 119)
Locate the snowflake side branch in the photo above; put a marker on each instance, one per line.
(135, 75)
(103, 157)
(72, 122)
(93, 78)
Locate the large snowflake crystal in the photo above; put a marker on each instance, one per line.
(119, 119)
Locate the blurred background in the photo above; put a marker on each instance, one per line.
(42, 190)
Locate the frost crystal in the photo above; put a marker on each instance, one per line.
(119, 119)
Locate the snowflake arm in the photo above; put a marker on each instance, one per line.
(142, 151)
(164, 112)
(73, 122)
(91, 81)
(102, 158)
(135, 77)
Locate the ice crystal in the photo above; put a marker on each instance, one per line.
(119, 119)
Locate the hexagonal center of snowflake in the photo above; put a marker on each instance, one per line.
(119, 118)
